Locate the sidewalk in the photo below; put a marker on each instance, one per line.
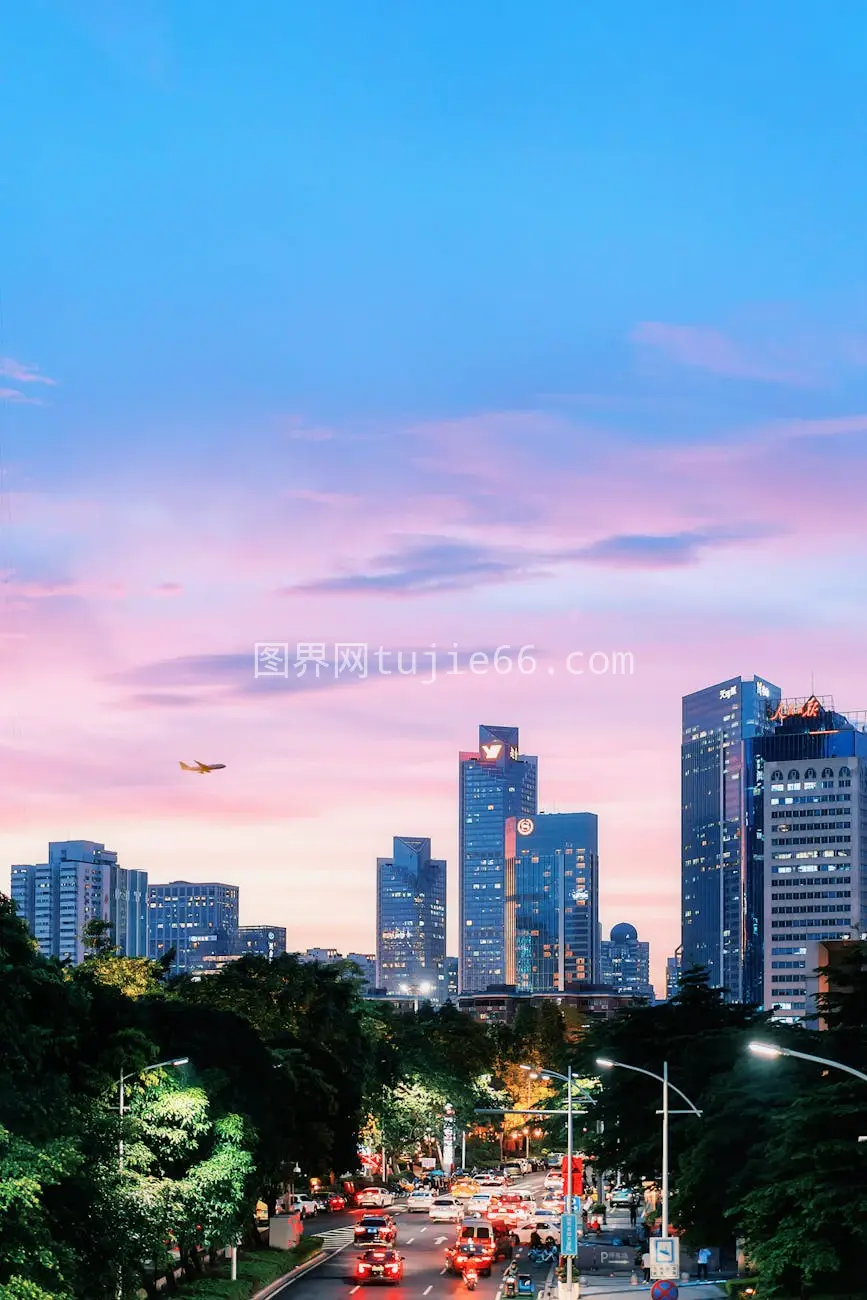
(600, 1287)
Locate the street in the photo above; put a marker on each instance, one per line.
(422, 1244)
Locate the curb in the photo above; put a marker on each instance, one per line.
(298, 1271)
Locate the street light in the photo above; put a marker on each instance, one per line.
(771, 1050)
(663, 1079)
(148, 1069)
(570, 1207)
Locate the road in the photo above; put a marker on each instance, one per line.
(422, 1244)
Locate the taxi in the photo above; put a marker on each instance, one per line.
(463, 1188)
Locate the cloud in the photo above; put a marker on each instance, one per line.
(13, 395)
(23, 373)
(62, 588)
(702, 348)
(425, 566)
(323, 498)
(664, 551)
(168, 589)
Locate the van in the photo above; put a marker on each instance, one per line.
(485, 1234)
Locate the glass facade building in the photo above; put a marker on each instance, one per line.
(195, 919)
(807, 848)
(411, 920)
(261, 940)
(498, 788)
(718, 724)
(552, 903)
(81, 882)
(626, 962)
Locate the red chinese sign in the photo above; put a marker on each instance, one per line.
(811, 709)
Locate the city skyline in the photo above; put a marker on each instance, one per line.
(447, 330)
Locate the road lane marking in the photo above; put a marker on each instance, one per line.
(410, 1240)
(439, 1241)
(354, 1289)
(428, 1291)
(425, 1228)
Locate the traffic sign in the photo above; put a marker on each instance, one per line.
(663, 1290)
(569, 1234)
(664, 1259)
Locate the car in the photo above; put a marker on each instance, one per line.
(526, 1166)
(552, 1203)
(553, 1180)
(374, 1198)
(419, 1201)
(547, 1226)
(379, 1264)
(513, 1171)
(463, 1188)
(304, 1205)
(379, 1228)
(622, 1198)
(445, 1209)
(336, 1203)
(480, 1203)
(470, 1253)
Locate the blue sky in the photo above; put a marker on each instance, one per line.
(460, 321)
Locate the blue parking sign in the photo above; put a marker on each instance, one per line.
(569, 1234)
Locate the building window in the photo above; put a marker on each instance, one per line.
(827, 771)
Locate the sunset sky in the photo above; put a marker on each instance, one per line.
(409, 323)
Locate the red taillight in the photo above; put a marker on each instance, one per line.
(394, 1268)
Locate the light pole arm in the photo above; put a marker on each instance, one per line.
(823, 1060)
(660, 1079)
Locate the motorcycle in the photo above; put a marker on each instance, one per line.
(471, 1277)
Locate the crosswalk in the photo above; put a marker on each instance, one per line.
(335, 1238)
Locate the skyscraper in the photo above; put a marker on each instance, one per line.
(806, 848)
(672, 975)
(196, 919)
(261, 940)
(717, 724)
(552, 903)
(498, 787)
(81, 882)
(626, 962)
(411, 920)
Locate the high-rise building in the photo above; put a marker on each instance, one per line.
(261, 940)
(81, 882)
(366, 963)
(552, 903)
(672, 975)
(325, 955)
(452, 967)
(195, 919)
(626, 962)
(718, 723)
(498, 788)
(806, 848)
(411, 920)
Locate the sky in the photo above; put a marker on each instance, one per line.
(410, 325)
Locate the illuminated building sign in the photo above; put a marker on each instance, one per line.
(491, 752)
(513, 753)
(728, 693)
(763, 689)
(811, 708)
(525, 826)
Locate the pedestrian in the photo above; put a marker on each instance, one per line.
(645, 1264)
(703, 1258)
(633, 1213)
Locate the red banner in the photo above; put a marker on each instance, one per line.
(577, 1175)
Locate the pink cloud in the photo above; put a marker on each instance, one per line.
(703, 348)
(23, 373)
(168, 589)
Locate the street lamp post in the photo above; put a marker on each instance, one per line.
(666, 1112)
(570, 1207)
(121, 1107)
(772, 1050)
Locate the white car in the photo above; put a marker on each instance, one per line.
(526, 1166)
(445, 1209)
(479, 1204)
(419, 1201)
(374, 1198)
(553, 1203)
(553, 1181)
(547, 1226)
(305, 1205)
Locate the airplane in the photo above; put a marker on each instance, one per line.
(202, 767)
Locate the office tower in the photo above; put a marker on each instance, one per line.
(195, 919)
(806, 848)
(411, 920)
(672, 975)
(552, 903)
(498, 787)
(626, 962)
(718, 722)
(452, 965)
(81, 882)
(366, 963)
(261, 941)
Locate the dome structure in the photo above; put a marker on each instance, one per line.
(624, 933)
